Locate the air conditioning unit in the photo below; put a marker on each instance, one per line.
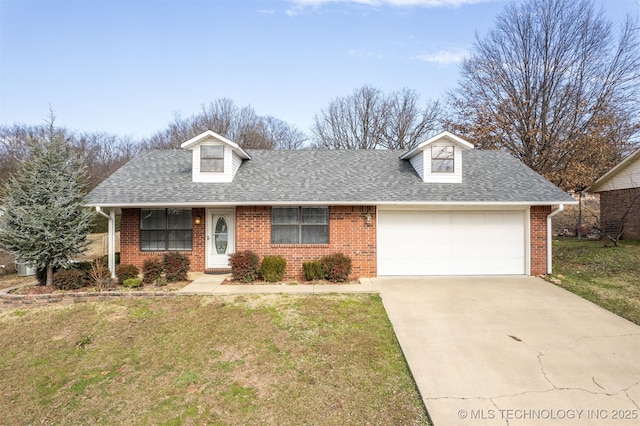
(25, 270)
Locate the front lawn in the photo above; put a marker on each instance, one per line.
(229, 360)
(606, 275)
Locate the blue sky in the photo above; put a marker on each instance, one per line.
(127, 67)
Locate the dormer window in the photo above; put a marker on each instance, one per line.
(212, 158)
(442, 159)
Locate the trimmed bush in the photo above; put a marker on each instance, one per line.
(337, 267)
(69, 279)
(151, 270)
(105, 258)
(176, 266)
(313, 270)
(132, 282)
(272, 268)
(126, 271)
(245, 266)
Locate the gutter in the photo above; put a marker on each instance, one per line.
(550, 236)
(111, 256)
(384, 204)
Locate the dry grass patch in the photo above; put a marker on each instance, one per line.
(322, 360)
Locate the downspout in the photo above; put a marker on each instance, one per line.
(550, 236)
(111, 256)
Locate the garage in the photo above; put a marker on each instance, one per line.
(452, 242)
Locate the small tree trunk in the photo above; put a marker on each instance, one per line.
(49, 274)
(580, 216)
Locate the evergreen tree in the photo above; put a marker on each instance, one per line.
(45, 224)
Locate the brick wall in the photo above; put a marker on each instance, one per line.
(349, 233)
(614, 204)
(130, 252)
(538, 238)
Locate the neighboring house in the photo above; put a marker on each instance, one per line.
(441, 208)
(619, 191)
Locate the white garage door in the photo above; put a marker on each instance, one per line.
(451, 243)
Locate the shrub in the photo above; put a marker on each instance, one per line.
(82, 266)
(313, 270)
(69, 279)
(245, 266)
(176, 266)
(337, 267)
(272, 268)
(132, 282)
(160, 282)
(99, 275)
(105, 258)
(151, 270)
(126, 271)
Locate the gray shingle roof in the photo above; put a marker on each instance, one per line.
(323, 177)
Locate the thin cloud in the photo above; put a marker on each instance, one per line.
(444, 57)
(398, 3)
(303, 6)
(267, 11)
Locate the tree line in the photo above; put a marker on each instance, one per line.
(554, 83)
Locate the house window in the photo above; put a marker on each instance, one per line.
(165, 229)
(212, 158)
(300, 225)
(442, 159)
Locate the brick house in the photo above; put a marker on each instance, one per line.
(619, 191)
(441, 208)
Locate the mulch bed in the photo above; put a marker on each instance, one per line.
(44, 289)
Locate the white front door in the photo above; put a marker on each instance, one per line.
(221, 238)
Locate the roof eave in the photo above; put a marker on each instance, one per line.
(595, 187)
(210, 134)
(335, 203)
(441, 135)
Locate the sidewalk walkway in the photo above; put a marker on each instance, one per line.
(212, 284)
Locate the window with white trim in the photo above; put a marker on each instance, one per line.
(165, 230)
(442, 159)
(212, 158)
(300, 225)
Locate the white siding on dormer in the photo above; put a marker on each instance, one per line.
(214, 177)
(417, 162)
(628, 177)
(236, 162)
(455, 177)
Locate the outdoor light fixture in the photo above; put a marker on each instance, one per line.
(368, 217)
(198, 220)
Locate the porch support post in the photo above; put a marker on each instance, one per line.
(550, 237)
(111, 239)
(112, 243)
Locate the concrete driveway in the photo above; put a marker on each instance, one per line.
(514, 351)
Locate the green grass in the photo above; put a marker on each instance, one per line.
(275, 360)
(606, 275)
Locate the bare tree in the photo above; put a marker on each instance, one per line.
(284, 135)
(369, 119)
(554, 86)
(407, 124)
(239, 124)
(101, 153)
